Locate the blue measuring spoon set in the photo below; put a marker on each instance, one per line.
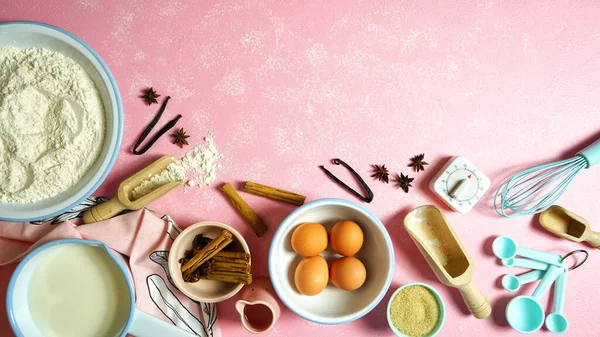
(525, 313)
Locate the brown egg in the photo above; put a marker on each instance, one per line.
(346, 238)
(311, 275)
(309, 239)
(348, 273)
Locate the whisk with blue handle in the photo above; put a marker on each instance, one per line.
(535, 189)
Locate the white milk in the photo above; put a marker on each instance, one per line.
(78, 291)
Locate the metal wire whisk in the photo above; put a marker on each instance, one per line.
(535, 189)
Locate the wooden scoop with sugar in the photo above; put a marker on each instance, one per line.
(445, 254)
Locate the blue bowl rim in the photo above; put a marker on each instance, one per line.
(13, 279)
(439, 299)
(119, 113)
(341, 202)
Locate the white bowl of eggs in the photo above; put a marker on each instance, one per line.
(331, 261)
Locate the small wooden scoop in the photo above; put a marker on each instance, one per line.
(124, 199)
(435, 238)
(569, 225)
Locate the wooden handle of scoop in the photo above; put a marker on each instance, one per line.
(594, 239)
(475, 300)
(104, 211)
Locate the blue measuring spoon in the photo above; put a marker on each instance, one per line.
(524, 263)
(556, 322)
(524, 313)
(506, 248)
(512, 283)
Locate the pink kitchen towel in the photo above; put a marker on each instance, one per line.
(143, 237)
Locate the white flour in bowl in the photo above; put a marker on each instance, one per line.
(52, 124)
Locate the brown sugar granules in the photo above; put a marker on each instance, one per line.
(415, 311)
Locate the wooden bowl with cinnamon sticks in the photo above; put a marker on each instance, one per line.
(210, 262)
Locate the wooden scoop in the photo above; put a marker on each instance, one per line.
(569, 225)
(124, 199)
(435, 238)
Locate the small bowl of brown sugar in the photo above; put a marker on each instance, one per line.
(416, 310)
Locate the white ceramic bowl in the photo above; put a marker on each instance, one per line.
(24, 34)
(333, 305)
(204, 290)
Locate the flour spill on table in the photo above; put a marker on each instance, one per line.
(200, 163)
(52, 124)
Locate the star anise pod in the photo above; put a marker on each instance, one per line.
(180, 137)
(404, 182)
(417, 162)
(381, 173)
(150, 96)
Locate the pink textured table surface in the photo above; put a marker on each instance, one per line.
(287, 85)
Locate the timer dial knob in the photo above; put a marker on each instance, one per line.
(462, 185)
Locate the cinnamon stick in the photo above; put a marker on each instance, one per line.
(258, 226)
(213, 247)
(274, 193)
(228, 277)
(220, 266)
(232, 257)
